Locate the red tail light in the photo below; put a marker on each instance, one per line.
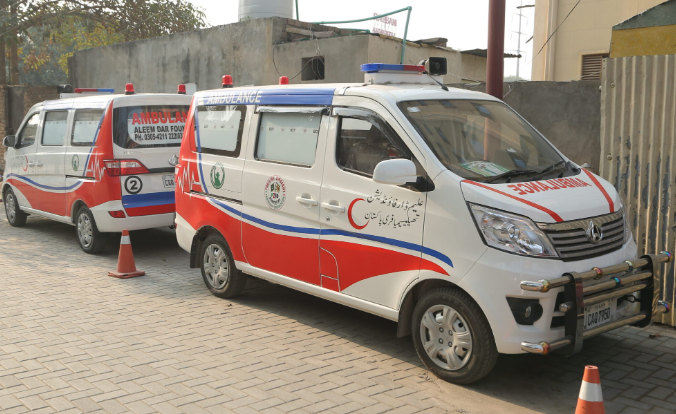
(117, 214)
(125, 167)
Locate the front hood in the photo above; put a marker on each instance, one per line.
(548, 201)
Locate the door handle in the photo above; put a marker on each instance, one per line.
(31, 164)
(332, 207)
(307, 201)
(39, 164)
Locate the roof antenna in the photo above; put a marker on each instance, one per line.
(422, 63)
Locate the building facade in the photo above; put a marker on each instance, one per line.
(257, 52)
(576, 50)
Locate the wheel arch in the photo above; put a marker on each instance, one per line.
(74, 209)
(412, 297)
(197, 240)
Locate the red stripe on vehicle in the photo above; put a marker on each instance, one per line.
(149, 210)
(603, 190)
(539, 207)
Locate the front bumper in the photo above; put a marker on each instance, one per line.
(582, 289)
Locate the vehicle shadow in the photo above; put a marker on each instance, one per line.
(544, 384)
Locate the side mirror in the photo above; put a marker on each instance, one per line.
(395, 172)
(9, 141)
(173, 160)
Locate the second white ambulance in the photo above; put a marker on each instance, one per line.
(99, 162)
(440, 209)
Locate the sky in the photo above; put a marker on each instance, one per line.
(463, 22)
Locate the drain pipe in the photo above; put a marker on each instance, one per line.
(408, 17)
(495, 62)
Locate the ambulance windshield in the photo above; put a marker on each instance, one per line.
(483, 140)
(149, 126)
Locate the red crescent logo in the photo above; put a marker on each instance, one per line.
(26, 167)
(349, 215)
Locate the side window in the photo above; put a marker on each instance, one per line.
(220, 129)
(54, 128)
(85, 124)
(363, 143)
(288, 138)
(29, 131)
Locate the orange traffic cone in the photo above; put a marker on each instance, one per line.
(591, 398)
(126, 267)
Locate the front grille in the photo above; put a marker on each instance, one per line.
(570, 239)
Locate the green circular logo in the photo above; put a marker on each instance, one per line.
(76, 162)
(217, 175)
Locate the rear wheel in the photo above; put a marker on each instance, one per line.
(91, 240)
(218, 268)
(453, 337)
(15, 216)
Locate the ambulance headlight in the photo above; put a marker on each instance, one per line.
(512, 233)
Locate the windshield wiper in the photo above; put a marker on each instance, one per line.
(549, 169)
(509, 174)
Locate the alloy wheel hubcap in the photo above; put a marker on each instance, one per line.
(84, 230)
(10, 207)
(446, 337)
(216, 266)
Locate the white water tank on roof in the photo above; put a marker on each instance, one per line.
(256, 9)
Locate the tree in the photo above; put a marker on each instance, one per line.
(41, 34)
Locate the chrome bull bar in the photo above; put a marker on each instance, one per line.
(641, 275)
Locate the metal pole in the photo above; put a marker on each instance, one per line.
(495, 64)
(518, 43)
(297, 18)
(403, 43)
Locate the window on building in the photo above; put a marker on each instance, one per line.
(84, 127)
(288, 138)
(29, 131)
(220, 129)
(54, 129)
(313, 68)
(592, 65)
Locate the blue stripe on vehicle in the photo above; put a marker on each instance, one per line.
(333, 232)
(277, 96)
(44, 187)
(149, 199)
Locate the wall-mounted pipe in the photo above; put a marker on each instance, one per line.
(403, 42)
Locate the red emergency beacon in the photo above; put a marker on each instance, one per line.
(181, 89)
(129, 89)
(284, 80)
(226, 81)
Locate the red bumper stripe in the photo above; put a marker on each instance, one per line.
(149, 210)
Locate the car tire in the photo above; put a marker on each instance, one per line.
(91, 240)
(453, 337)
(15, 216)
(218, 268)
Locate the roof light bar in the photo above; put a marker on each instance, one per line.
(105, 90)
(377, 67)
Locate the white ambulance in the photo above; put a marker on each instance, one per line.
(99, 162)
(441, 209)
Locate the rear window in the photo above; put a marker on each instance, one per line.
(149, 126)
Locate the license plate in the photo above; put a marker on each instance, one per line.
(599, 313)
(168, 181)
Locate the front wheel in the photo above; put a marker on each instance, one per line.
(453, 337)
(218, 268)
(91, 240)
(15, 216)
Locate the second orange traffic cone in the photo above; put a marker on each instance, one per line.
(591, 398)
(126, 267)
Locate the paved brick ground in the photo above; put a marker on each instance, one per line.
(74, 340)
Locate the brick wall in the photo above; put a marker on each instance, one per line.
(15, 101)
